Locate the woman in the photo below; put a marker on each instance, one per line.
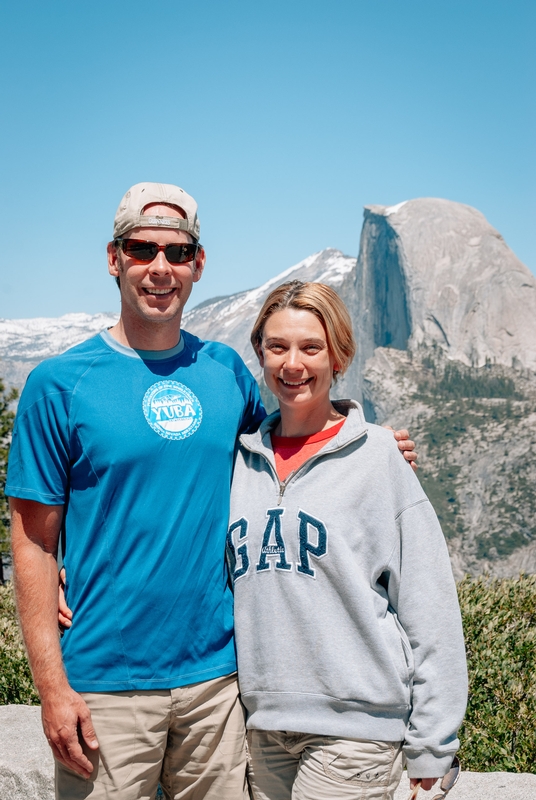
(349, 638)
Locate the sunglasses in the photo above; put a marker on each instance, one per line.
(145, 252)
(447, 782)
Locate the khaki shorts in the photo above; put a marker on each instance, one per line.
(298, 766)
(191, 740)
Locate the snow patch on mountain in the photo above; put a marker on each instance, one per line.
(394, 209)
(43, 337)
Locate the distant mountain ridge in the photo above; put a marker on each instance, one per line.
(43, 337)
(445, 320)
(26, 342)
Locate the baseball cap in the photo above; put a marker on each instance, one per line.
(130, 212)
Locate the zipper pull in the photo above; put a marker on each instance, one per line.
(281, 493)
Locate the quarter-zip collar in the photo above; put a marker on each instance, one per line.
(354, 428)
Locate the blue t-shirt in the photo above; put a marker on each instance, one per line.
(139, 448)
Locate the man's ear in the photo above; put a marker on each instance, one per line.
(199, 264)
(114, 267)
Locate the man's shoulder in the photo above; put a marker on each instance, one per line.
(61, 373)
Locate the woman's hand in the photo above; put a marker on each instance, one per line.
(65, 615)
(405, 445)
(421, 783)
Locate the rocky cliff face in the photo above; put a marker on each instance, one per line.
(445, 317)
(435, 272)
(475, 429)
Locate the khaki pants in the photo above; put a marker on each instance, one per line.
(297, 766)
(191, 740)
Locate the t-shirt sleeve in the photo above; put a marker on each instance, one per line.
(39, 457)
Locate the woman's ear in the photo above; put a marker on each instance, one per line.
(260, 355)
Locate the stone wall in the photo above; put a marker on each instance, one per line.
(26, 763)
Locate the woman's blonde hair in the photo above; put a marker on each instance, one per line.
(324, 303)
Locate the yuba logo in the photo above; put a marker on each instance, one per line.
(172, 410)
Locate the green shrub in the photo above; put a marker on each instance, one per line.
(499, 618)
(16, 685)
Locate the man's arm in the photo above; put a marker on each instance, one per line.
(35, 531)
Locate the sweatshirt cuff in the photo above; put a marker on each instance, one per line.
(426, 765)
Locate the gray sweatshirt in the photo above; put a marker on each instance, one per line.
(346, 614)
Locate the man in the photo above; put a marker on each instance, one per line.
(124, 446)
(123, 449)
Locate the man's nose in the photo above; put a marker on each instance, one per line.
(160, 264)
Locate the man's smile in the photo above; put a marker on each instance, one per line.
(153, 291)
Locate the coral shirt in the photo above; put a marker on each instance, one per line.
(292, 451)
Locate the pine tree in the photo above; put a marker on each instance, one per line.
(6, 425)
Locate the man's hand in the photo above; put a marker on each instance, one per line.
(67, 725)
(405, 445)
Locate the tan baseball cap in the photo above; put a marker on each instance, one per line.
(130, 212)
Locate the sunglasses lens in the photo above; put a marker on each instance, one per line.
(141, 251)
(180, 253)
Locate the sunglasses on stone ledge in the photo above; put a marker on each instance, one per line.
(447, 782)
(145, 252)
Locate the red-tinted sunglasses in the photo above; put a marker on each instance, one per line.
(145, 252)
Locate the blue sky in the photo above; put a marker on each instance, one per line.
(282, 119)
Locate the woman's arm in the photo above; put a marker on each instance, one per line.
(423, 594)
